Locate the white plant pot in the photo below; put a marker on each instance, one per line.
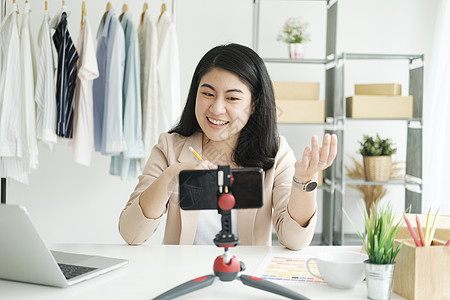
(296, 51)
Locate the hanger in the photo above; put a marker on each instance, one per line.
(45, 6)
(83, 13)
(163, 9)
(145, 8)
(124, 10)
(63, 3)
(108, 7)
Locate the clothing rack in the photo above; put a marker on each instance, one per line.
(3, 14)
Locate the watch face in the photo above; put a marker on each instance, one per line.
(311, 186)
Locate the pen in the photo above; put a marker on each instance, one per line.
(196, 154)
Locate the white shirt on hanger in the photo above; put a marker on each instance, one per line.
(168, 74)
(83, 123)
(27, 65)
(45, 96)
(11, 145)
(148, 44)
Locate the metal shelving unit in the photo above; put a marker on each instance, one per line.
(335, 112)
(329, 62)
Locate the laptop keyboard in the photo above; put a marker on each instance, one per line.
(71, 271)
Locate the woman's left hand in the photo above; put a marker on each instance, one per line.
(316, 158)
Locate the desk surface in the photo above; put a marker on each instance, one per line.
(153, 269)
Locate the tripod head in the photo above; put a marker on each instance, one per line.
(225, 202)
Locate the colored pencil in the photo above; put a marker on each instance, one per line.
(420, 230)
(427, 227)
(411, 230)
(433, 227)
(448, 243)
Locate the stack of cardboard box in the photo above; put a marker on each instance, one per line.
(298, 102)
(379, 101)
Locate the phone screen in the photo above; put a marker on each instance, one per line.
(199, 188)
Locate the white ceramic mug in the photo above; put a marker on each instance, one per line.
(340, 269)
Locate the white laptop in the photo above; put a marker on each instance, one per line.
(24, 256)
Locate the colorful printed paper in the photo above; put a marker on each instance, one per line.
(287, 269)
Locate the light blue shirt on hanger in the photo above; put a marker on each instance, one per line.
(107, 90)
(125, 164)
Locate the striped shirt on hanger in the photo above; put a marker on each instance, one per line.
(67, 74)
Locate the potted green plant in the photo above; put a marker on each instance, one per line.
(294, 34)
(379, 246)
(377, 158)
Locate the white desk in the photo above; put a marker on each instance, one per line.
(154, 269)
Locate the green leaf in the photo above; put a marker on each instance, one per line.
(371, 146)
(380, 235)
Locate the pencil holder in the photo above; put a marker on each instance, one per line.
(422, 272)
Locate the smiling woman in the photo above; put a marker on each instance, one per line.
(230, 119)
(223, 105)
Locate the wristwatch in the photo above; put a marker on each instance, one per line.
(307, 187)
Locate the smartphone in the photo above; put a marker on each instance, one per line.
(199, 189)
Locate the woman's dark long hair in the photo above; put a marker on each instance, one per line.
(258, 141)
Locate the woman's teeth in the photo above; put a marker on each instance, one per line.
(217, 122)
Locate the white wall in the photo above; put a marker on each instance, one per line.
(71, 203)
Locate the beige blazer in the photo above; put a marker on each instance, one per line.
(254, 225)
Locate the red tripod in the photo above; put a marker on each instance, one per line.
(226, 266)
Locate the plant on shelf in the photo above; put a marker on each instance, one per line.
(371, 146)
(377, 159)
(372, 193)
(379, 246)
(294, 33)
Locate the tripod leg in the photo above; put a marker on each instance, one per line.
(270, 287)
(187, 287)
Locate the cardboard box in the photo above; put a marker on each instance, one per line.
(300, 111)
(422, 272)
(419, 272)
(380, 107)
(296, 90)
(380, 89)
